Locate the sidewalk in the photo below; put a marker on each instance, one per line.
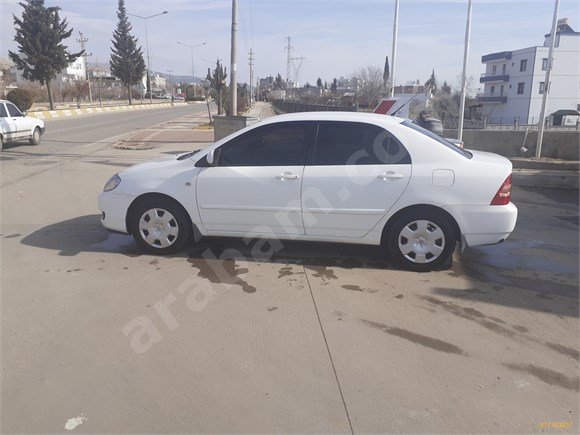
(261, 110)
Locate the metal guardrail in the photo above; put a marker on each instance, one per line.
(296, 106)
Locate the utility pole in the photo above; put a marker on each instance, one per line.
(83, 41)
(464, 74)
(288, 48)
(233, 66)
(251, 63)
(547, 80)
(394, 55)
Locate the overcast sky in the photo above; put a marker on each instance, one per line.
(335, 36)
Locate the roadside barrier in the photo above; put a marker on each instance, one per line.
(67, 113)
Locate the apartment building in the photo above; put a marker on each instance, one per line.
(514, 81)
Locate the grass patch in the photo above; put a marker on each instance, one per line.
(203, 127)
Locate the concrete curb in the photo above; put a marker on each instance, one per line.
(545, 178)
(67, 113)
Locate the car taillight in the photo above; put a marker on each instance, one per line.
(502, 197)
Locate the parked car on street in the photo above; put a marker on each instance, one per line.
(321, 176)
(17, 126)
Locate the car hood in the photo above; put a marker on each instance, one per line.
(160, 164)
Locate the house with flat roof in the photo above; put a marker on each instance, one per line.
(514, 81)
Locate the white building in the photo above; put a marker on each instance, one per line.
(74, 71)
(514, 81)
(346, 85)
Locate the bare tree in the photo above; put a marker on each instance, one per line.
(470, 86)
(78, 90)
(369, 84)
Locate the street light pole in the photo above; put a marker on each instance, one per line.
(464, 73)
(191, 47)
(148, 80)
(541, 125)
(233, 60)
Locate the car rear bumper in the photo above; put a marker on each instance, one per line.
(484, 225)
(114, 211)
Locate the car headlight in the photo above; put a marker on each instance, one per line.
(113, 182)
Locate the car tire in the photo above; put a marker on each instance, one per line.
(160, 226)
(422, 241)
(35, 138)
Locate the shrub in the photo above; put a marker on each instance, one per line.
(21, 98)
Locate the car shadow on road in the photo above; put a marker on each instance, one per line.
(345, 256)
(86, 234)
(80, 234)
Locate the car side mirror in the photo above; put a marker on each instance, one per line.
(210, 157)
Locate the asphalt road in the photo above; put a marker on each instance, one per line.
(66, 139)
(250, 336)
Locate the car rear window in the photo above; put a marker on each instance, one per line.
(355, 143)
(413, 126)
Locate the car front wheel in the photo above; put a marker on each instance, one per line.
(35, 138)
(160, 226)
(422, 241)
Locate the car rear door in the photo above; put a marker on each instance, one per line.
(254, 186)
(355, 174)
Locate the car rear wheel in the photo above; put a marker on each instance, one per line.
(35, 138)
(160, 226)
(422, 241)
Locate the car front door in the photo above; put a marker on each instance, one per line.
(254, 185)
(8, 124)
(356, 173)
(22, 124)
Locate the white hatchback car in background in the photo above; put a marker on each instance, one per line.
(321, 176)
(16, 126)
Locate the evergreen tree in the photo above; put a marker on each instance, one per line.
(127, 63)
(319, 82)
(39, 35)
(386, 74)
(278, 82)
(446, 87)
(217, 85)
(333, 86)
(432, 81)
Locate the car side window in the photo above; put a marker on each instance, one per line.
(13, 110)
(283, 144)
(3, 112)
(356, 143)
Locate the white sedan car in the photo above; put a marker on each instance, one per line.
(15, 125)
(321, 176)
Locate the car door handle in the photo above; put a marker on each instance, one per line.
(390, 176)
(287, 176)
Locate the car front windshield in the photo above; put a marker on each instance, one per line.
(413, 126)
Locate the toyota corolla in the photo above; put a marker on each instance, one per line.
(321, 176)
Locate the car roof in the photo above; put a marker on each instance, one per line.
(336, 116)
